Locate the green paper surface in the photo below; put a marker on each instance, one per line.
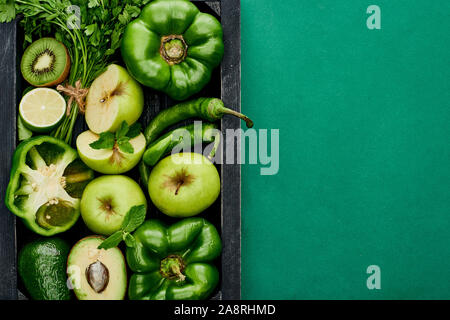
(364, 120)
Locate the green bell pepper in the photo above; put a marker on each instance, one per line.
(173, 47)
(46, 184)
(173, 263)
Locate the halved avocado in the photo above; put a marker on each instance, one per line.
(97, 274)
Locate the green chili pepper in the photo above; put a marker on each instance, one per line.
(209, 109)
(144, 172)
(173, 47)
(178, 138)
(174, 263)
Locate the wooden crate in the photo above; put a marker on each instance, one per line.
(225, 213)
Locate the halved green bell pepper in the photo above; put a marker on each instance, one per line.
(173, 47)
(174, 263)
(46, 184)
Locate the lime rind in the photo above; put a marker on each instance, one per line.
(36, 126)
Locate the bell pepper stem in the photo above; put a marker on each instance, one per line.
(172, 267)
(176, 270)
(173, 49)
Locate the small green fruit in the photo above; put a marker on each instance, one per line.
(42, 267)
(184, 184)
(106, 200)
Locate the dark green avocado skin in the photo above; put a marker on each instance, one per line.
(42, 267)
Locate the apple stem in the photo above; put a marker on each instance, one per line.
(180, 183)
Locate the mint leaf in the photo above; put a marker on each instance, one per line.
(123, 130)
(125, 145)
(106, 141)
(112, 241)
(134, 130)
(130, 241)
(134, 218)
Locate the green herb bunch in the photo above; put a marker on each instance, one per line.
(92, 38)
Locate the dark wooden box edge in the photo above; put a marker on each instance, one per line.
(231, 174)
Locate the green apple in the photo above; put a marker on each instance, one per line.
(109, 161)
(106, 200)
(184, 184)
(113, 97)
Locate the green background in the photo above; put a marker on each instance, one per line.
(364, 179)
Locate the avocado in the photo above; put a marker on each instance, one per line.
(42, 267)
(97, 274)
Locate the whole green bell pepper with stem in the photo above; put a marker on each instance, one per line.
(173, 47)
(46, 183)
(174, 263)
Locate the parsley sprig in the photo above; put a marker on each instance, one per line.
(121, 139)
(133, 219)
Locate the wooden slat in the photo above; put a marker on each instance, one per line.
(231, 173)
(9, 88)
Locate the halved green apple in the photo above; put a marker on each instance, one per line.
(113, 97)
(106, 161)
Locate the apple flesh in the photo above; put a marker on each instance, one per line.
(106, 200)
(184, 184)
(113, 97)
(113, 161)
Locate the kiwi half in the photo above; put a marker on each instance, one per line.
(45, 63)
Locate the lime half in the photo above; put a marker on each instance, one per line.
(42, 109)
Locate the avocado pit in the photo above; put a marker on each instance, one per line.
(97, 275)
